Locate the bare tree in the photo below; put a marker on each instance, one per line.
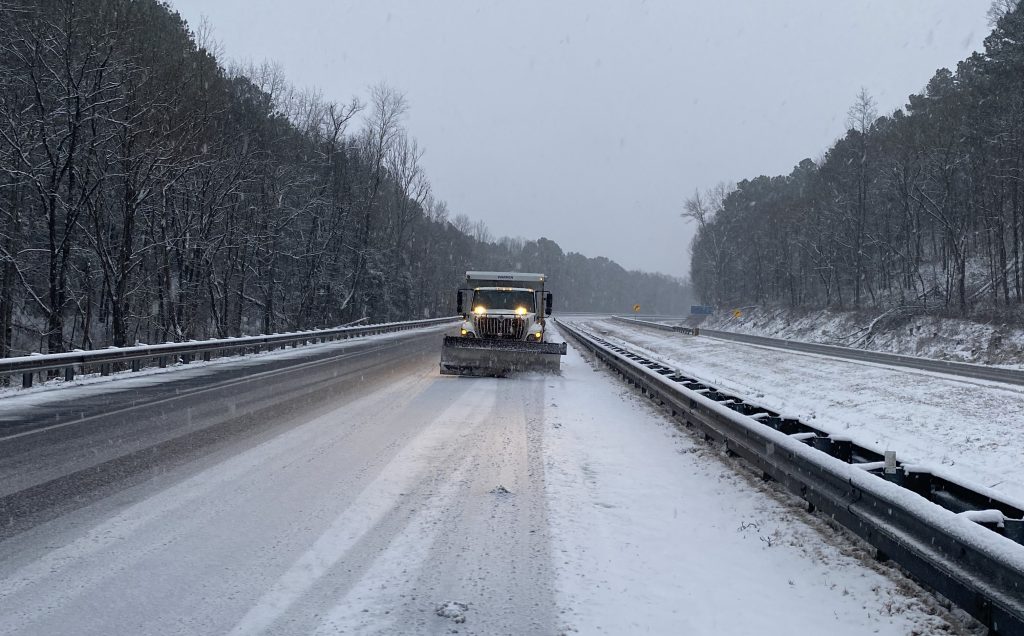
(712, 243)
(860, 119)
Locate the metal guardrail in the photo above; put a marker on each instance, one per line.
(965, 369)
(690, 331)
(973, 558)
(104, 359)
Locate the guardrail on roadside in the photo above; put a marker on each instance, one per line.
(964, 544)
(966, 369)
(690, 331)
(74, 362)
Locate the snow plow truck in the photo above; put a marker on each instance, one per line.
(503, 327)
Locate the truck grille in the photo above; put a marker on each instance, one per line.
(500, 327)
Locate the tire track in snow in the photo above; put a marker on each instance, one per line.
(376, 515)
(477, 544)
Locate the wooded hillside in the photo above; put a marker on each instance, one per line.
(149, 193)
(920, 210)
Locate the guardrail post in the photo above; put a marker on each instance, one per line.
(162, 362)
(892, 472)
(26, 380)
(206, 356)
(69, 374)
(136, 365)
(105, 369)
(1014, 529)
(842, 449)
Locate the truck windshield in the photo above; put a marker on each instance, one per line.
(498, 299)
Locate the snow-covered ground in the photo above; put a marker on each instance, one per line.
(968, 429)
(536, 504)
(653, 533)
(924, 336)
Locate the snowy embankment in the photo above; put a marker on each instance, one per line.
(925, 336)
(970, 430)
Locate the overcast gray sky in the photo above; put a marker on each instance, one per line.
(590, 122)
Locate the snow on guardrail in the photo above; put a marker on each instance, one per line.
(74, 361)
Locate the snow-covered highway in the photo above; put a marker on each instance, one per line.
(351, 489)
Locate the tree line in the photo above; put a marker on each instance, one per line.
(149, 192)
(921, 210)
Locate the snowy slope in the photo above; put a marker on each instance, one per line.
(924, 336)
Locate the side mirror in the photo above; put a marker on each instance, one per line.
(548, 299)
(460, 300)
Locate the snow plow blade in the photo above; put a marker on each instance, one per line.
(480, 356)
